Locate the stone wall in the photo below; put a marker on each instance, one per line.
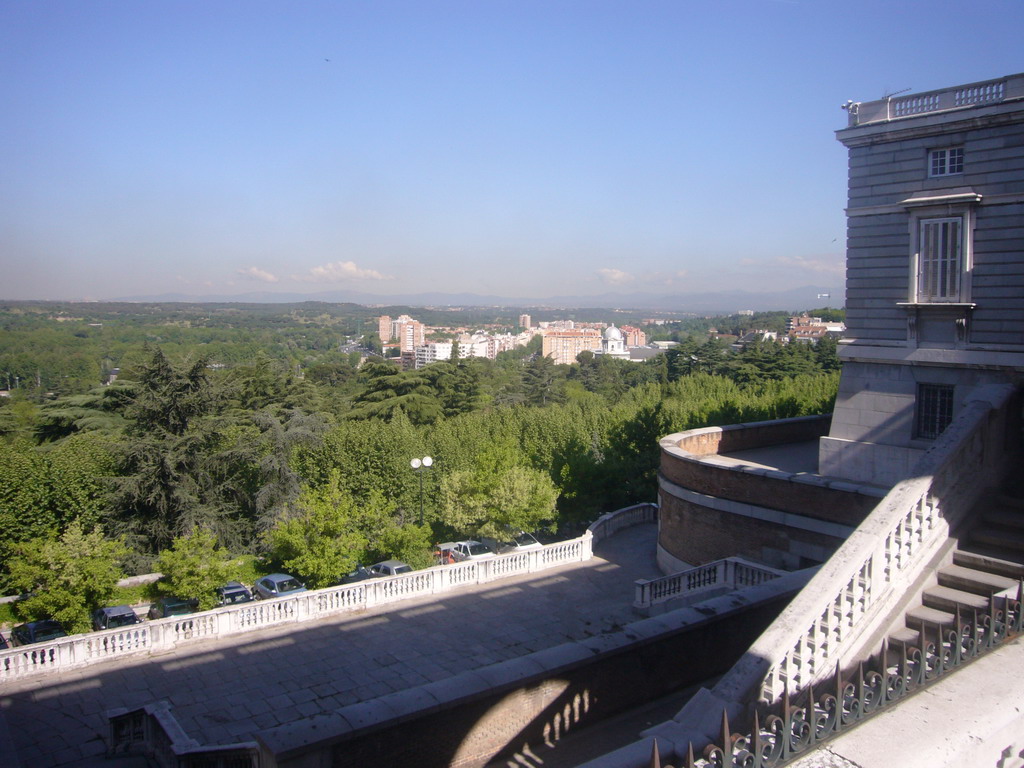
(713, 508)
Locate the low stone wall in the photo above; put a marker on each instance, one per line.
(518, 709)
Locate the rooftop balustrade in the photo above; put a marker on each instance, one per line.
(944, 100)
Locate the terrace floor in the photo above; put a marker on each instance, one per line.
(225, 691)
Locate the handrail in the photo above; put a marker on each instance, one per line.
(857, 587)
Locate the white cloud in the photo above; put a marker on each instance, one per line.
(826, 265)
(614, 276)
(835, 265)
(255, 273)
(340, 271)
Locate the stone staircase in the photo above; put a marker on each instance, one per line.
(988, 560)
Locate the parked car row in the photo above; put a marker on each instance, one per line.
(265, 588)
(376, 571)
(461, 551)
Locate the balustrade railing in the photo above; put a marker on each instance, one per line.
(613, 522)
(727, 574)
(869, 574)
(165, 634)
(958, 97)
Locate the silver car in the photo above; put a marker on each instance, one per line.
(276, 585)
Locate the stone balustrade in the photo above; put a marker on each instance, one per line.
(613, 522)
(722, 575)
(167, 634)
(855, 592)
(972, 94)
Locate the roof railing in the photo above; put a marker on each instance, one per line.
(958, 97)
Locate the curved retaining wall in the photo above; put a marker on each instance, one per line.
(712, 507)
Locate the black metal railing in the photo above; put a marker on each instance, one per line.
(802, 722)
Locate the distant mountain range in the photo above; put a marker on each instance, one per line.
(720, 302)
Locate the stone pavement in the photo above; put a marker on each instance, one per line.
(225, 691)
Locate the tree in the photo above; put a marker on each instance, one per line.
(409, 543)
(541, 383)
(389, 391)
(169, 400)
(194, 567)
(494, 504)
(67, 578)
(324, 538)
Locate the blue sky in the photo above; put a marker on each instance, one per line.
(515, 147)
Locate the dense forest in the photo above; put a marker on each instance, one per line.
(254, 434)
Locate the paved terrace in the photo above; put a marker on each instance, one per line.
(225, 691)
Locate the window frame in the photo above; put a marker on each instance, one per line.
(926, 217)
(933, 410)
(947, 158)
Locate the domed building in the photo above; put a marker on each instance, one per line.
(613, 343)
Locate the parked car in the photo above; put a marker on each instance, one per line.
(361, 573)
(389, 568)
(233, 592)
(276, 585)
(460, 551)
(172, 606)
(521, 542)
(114, 616)
(37, 632)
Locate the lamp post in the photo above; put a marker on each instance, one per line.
(419, 466)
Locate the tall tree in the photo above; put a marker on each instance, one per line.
(67, 577)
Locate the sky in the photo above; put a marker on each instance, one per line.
(526, 148)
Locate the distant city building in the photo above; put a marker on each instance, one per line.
(634, 337)
(525, 321)
(384, 329)
(432, 352)
(563, 345)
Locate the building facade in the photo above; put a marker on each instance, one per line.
(935, 269)
(564, 345)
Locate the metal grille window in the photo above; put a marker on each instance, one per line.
(939, 259)
(946, 162)
(934, 409)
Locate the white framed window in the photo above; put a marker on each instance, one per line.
(934, 410)
(941, 251)
(940, 259)
(948, 161)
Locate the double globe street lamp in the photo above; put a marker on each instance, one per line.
(419, 466)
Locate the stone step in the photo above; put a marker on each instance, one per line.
(998, 537)
(973, 580)
(990, 559)
(1007, 500)
(904, 636)
(1005, 517)
(923, 614)
(947, 599)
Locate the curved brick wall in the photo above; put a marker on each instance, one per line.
(713, 508)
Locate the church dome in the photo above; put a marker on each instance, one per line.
(612, 333)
